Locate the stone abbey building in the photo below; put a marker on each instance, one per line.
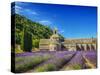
(54, 43)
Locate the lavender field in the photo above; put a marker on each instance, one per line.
(54, 61)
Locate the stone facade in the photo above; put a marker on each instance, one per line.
(54, 43)
(80, 44)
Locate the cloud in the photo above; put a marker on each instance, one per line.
(31, 11)
(34, 13)
(19, 9)
(45, 22)
(16, 9)
(61, 31)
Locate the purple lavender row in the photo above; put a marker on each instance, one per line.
(91, 59)
(23, 56)
(40, 52)
(76, 62)
(54, 63)
(29, 62)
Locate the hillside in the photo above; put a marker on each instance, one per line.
(37, 30)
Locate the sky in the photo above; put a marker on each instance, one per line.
(71, 21)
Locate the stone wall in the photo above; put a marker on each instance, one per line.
(80, 44)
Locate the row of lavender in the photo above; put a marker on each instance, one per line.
(52, 61)
(82, 60)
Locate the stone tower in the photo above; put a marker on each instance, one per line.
(55, 44)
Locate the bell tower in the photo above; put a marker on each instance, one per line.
(55, 41)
